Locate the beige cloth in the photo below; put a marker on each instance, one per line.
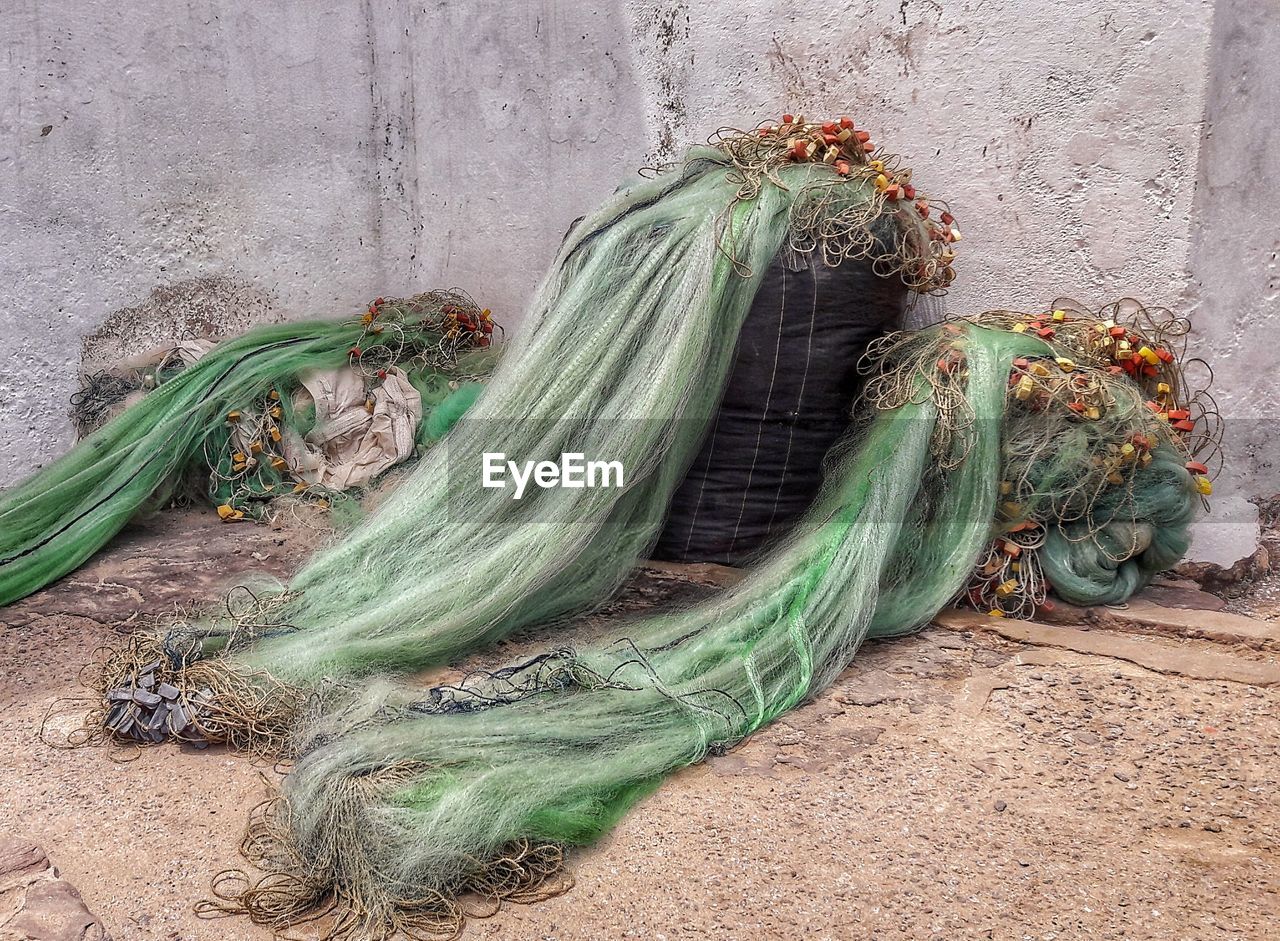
(184, 352)
(349, 446)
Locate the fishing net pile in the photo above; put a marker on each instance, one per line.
(302, 410)
(409, 809)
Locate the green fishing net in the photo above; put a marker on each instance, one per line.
(223, 419)
(989, 458)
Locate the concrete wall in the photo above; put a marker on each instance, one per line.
(289, 159)
(1234, 297)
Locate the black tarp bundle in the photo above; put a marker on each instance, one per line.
(788, 398)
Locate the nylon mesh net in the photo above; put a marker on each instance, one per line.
(410, 809)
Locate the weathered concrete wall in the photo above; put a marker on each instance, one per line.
(1235, 262)
(149, 144)
(285, 159)
(301, 157)
(1064, 134)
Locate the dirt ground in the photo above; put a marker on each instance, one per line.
(955, 784)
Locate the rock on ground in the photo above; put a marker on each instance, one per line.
(35, 904)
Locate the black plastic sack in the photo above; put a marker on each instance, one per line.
(788, 399)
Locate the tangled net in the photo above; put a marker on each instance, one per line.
(146, 691)
(889, 222)
(224, 416)
(370, 902)
(411, 811)
(402, 805)
(427, 338)
(1068, 400)
(99, 395)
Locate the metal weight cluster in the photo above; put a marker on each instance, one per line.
(147, 710)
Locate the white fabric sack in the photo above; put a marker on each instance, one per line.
(348, 445)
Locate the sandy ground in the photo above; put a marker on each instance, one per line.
(951, 785)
